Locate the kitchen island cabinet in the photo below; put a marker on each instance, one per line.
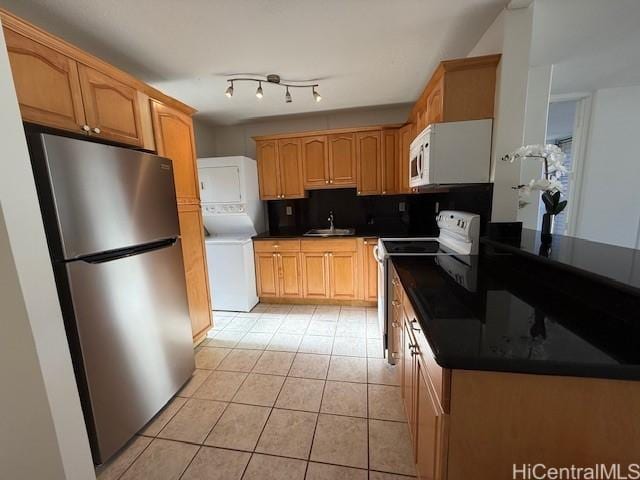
(475, 411)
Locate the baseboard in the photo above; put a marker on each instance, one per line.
(318, 301)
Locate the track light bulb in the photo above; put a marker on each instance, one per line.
(287, 96)
(229, 92)
(316, 95)
(259, 90)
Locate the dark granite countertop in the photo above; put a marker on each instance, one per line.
(515, 322)
(614, 265)
(359, 233)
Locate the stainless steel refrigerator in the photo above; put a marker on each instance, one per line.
(112, 227)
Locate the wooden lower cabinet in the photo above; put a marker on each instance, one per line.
(430, 427)
(315, 274)
(370, 270)
(195, 266)
(308, 270)
(343, 272)
(267, 274)
(289, 275)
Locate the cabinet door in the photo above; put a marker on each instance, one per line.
(268, 169)
(408, 375)
(290, 168)
(46, 83)
(290, 276)
(390, 165)
(315, 275)
(111, 107)
(370, 270)
(343, 271)
(342, 159)
(404, 143)
(315, 165)
(174, 139)
(195, 266)
(369, 159)
(435, 105)
(267, 274)
(429, 424)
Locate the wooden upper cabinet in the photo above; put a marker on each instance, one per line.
(315, 166)
(435, 106)
(195, 266)
(111, 107)
(390, 165)
(290, 168)
(342, 159)
(268, 169)
(174, 139)
(369, 162)
(46, 83)
(461, 89)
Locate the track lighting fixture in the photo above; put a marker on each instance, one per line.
(274, 80)
(316, 95)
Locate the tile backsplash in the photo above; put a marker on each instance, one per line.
(388, 215)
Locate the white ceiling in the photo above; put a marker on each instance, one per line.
(592, 44)
(363, 52)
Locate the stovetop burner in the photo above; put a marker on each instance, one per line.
(412, 246)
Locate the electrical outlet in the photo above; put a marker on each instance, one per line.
(289, 210)
(402, 207)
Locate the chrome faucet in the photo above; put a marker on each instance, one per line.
(330, 219)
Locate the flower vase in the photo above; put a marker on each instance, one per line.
(547, 225)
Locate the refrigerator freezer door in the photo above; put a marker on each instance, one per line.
(108, 197)
(134, 332)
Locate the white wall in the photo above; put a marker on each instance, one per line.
(510, 35)
(492, 40)
(42, 432)
(217, 141)
(535, 131)
(609, 203)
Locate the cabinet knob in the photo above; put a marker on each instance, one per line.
(326, 181)
(85, 128)
(96, 130)
(395, 303)
(359, 192)
(330, 181)
(384, 192)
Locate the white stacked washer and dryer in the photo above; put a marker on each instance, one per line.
(232, 213)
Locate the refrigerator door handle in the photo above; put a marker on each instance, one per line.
(119, 253)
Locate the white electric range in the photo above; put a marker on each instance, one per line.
(455, 247)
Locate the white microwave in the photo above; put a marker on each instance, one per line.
(450, 153)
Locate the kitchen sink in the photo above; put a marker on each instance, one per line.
(330, 232)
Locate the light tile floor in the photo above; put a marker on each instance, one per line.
(284, 393)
